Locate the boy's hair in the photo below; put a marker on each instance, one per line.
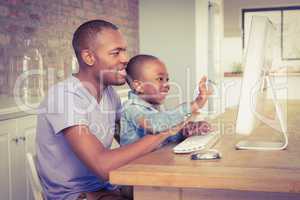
(135, 67)
(86, 33)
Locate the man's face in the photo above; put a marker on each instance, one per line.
(154, 82)
(110, 55)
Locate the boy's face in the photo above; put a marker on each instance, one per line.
(153, 83)
(110, 57)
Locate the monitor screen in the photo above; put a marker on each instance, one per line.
(257, 60)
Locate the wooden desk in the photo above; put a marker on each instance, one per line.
(240, 174)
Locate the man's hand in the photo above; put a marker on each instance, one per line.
(196, 128)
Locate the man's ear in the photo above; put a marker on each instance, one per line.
(88, 57)
(138, 86)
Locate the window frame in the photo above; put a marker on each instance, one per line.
(265, 9)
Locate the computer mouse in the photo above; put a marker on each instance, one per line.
(210, 154)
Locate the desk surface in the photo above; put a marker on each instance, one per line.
(268, 171)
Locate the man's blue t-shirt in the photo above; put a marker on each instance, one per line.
(62, 174)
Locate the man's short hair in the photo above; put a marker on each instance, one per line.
(135, 66)
(86, 33)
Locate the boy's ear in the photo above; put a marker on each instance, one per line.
(88, 57)
(138, 86)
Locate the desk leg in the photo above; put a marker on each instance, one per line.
(167, 193)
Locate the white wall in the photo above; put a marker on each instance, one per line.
(167, 30)
(177, 31)
(232, 52)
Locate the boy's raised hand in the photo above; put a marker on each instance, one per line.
(203, 89)
(203, 94)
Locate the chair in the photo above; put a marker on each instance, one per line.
(33, 177)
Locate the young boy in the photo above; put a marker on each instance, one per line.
(148, 79)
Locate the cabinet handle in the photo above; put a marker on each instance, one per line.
(16, 140)
(22, 138)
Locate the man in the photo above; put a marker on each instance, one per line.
(77, 119)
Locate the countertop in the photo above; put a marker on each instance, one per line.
(10, 108)
(240, 74)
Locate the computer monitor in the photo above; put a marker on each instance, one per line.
(257, 62)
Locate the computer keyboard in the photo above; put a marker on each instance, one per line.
(197, 143)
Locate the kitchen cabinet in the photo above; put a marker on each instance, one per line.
(17, 136)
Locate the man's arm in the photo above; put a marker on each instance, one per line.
(101, 160)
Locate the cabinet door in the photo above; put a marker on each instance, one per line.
(26, 127)
(25, 134)
(4, 165)
(29, 134)
(6, 142)
(18, 168)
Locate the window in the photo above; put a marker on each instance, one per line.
(287, 22)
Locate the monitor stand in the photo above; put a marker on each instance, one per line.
(259, 145)
(263, 145)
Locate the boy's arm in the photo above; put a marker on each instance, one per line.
(101, 160)
(163, 120)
